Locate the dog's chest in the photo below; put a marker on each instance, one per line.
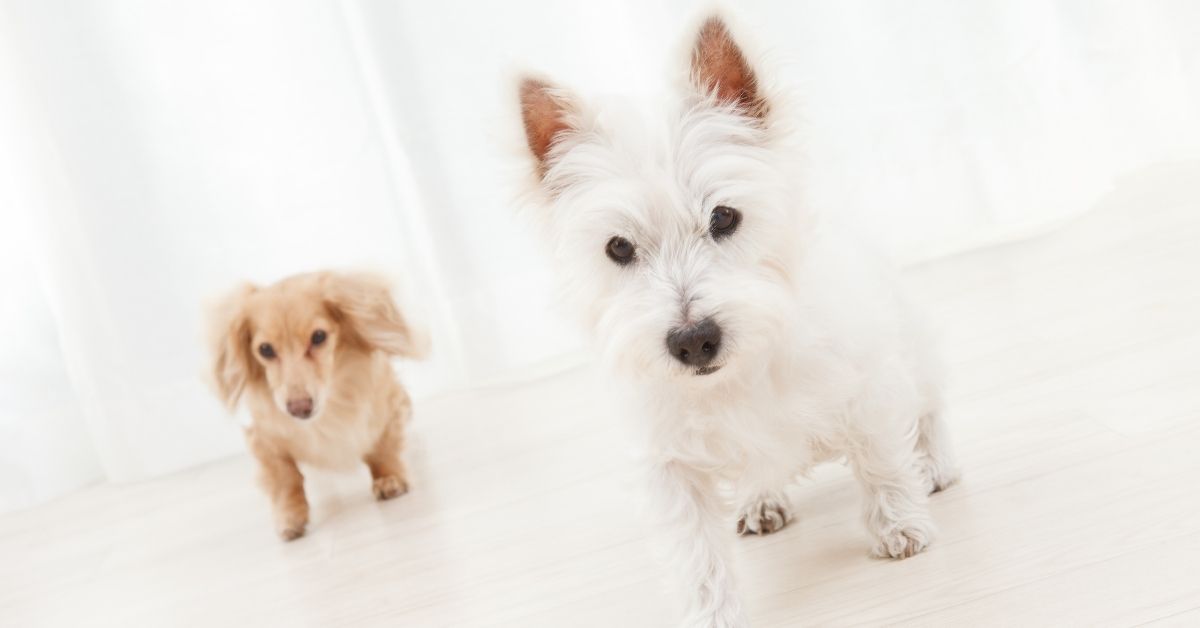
(335, 442)
(758, 427)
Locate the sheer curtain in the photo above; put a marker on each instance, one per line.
(155, 153)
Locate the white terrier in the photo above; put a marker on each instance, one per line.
(756, 345)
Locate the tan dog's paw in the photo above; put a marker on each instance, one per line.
(763, 517)
(389, 486)
(291, 533)
(291, 527)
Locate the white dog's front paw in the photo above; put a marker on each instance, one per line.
(763, 516)
(903, 541)
(730, 616)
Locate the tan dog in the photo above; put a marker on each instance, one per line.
(311, 357)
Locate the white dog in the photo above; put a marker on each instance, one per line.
(756, 344)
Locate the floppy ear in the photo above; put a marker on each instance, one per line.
(720, 68)
(229, 339)
(362, 304)
(546, 112)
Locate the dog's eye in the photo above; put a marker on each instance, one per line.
(620, 250)
(724, 221)
(266, 350)
(318, 337)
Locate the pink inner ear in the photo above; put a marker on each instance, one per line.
(718, 66)
(544, 115)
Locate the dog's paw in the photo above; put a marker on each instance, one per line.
(715, 622)
(728, 616)
(905, 541)
(939, 475)
(763, 516)
(291, 527)
(731, 618)
(291, 533)
(389, 486)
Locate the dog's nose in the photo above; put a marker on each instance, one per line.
(300, 408)
(695, 345)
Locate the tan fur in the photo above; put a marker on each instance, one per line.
(359, 407)
(718, 66)
(544, 113)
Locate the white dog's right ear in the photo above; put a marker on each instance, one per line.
(547, 113)
(720, 68)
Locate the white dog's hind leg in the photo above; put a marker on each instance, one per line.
(895, 506)
(937, 454)
(690, 512)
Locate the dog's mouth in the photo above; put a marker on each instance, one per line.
(708, 370)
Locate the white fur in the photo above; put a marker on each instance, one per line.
(821, 358)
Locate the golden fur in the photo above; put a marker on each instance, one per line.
(329, 399)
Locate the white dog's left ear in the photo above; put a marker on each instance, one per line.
(546, 112)
(720, 68)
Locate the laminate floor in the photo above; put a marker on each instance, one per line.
(1074, 396)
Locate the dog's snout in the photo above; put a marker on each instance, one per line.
(695, 345)
(300, 408)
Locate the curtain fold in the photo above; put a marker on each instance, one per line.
(154, 154)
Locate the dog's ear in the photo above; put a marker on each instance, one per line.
(362, 304)
(233, 367)
(546, 112)
(720, 68)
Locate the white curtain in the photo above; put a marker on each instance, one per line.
(152, 154)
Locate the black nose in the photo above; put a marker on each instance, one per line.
(300, 408)
(695, 345)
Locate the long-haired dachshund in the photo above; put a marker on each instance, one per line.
(311, 358)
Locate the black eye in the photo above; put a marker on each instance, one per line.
(266, 350)
(318, 337)
(724, 221)
(620, 250)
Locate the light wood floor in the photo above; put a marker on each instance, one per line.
(1075, 395)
